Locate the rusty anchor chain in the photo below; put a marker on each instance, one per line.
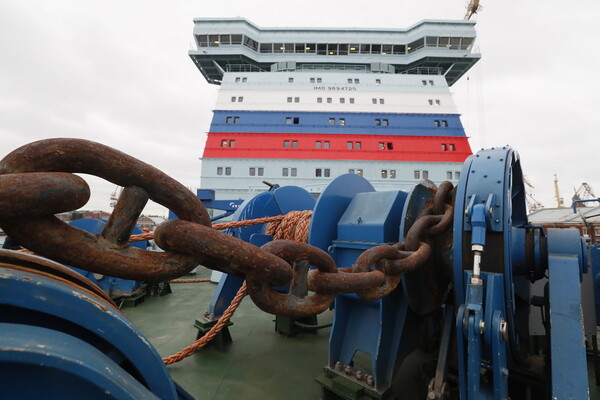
(46, 185)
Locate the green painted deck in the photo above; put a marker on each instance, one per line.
(259, 364)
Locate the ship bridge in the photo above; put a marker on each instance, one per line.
(430, 47)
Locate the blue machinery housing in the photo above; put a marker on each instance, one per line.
(51, 331)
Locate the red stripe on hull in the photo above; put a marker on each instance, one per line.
(395, 148)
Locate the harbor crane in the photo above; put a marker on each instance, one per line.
(585, 192)
(532, 203)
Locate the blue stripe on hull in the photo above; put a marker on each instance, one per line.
(353, 123)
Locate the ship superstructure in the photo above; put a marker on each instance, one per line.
(301, 106)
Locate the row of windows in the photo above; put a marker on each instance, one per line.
(443, 123)
(227, 143)
(388, 173)
(326, 173)
(252, 171)
(448, 147)
(232, 120)
(355, 81)
(449, 42)
(342, 100)
(320, 144)
(585, 232)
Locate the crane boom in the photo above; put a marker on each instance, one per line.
(472, 8)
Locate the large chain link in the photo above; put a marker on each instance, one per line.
(190, 240)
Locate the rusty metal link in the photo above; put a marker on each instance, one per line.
(190, 240)
(297, 302)
(21, 194)
(217, 250)
(107, 253)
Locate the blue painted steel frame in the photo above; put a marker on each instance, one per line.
(386, 329)
(595, 264)
(25, 296)
(492, 178)
(567, 338)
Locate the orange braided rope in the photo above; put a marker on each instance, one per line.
(203, 341)
(195, 280)
(292, 226)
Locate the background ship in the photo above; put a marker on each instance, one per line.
(301, 106)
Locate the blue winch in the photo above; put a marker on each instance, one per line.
(458, 270)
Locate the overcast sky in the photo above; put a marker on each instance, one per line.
(117, 72)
